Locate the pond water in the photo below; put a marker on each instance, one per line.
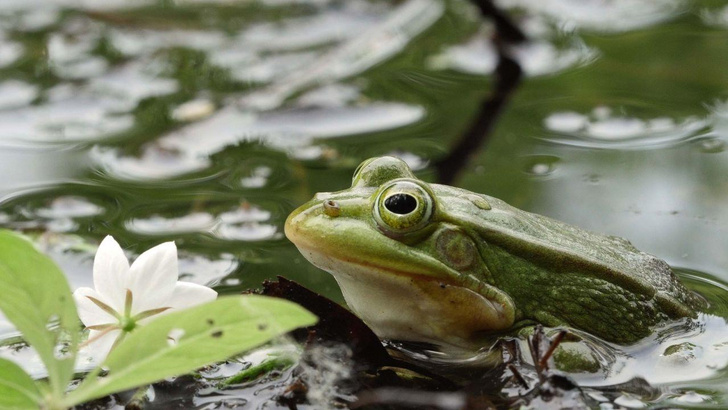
(207, 121)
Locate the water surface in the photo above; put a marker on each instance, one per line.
(207, 122)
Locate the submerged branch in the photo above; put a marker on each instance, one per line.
(507, 76)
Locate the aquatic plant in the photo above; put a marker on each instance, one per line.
(37, 300)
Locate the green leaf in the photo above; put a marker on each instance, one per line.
(204, 334)
(17, 388)
(37, 299)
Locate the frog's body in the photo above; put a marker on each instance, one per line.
(433, 263)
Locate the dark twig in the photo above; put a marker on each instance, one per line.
(517, 375)
(535, 349)
(506, 29)
(507, 75)
(554, 344)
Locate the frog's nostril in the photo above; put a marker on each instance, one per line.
(331, 208)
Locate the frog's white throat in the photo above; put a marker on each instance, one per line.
(401, 307)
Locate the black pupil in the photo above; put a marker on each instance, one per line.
(401, 204)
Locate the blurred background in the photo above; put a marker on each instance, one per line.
(207, 121)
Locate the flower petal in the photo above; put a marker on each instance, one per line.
(188, 294)
(185, 295)
(110, 273)
(100, 348)
(152, 277)
(88, 311)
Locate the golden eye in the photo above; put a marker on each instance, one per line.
(402, 207)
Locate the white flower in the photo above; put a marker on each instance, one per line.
(126, 297)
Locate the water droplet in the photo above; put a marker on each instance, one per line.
(711, 145)
(541, 165)
(540, 169)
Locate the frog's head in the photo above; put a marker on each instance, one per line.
(403, 266)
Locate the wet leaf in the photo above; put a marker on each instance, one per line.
(182, 341)
(36, 298)
(17, 389)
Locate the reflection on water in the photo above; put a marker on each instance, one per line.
(372, 47)
(207, 121)
(602, 129)
(10, 51)
(25, 169)
(716, 17)
(548, 52)
(16, 94)
(599, 15)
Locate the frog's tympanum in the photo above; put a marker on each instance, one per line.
(433, 263)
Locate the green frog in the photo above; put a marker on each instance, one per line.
(433, 263)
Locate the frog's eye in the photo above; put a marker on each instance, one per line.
(402, 207)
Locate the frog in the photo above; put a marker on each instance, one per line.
(437, 264)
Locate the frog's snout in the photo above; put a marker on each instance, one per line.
(298, 224)
(322, 196)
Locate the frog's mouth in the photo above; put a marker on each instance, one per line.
(400, 294)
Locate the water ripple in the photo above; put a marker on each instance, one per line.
(602, 16)
(603, 129)
(537, 57)
(188, 148)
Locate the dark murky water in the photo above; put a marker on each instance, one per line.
(207, 121)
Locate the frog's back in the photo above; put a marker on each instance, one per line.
(561, 247)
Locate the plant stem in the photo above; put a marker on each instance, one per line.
(253, 372)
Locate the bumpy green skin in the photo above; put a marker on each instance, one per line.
(559, 274)
(536, 268)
